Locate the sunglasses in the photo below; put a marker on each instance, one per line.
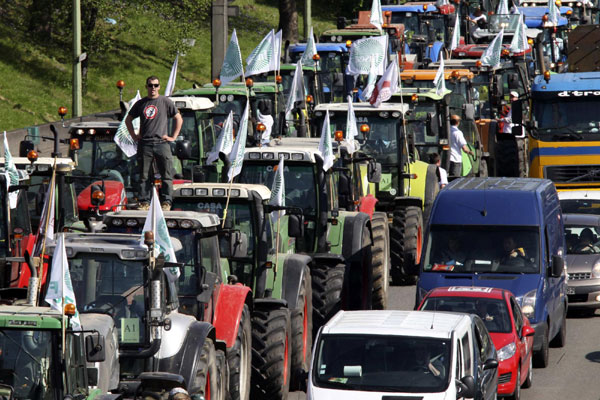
(155, 85)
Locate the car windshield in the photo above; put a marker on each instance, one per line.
(580, 206)
(493, 312)
(26, 360)
(582, 239)
(567, 119)
(482, 249)
(382, 363)
(299, 182)
(103, 283)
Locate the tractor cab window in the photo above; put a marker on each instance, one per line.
(411, 22)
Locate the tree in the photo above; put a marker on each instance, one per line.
(288, 20)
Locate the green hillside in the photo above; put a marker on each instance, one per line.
(36, 78)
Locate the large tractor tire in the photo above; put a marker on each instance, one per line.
(357, 293)
(512, 157)
(208, 372)
(239, 359)
(271, 353)
(327, 284)
(381, 260)
(406, 242)
(302, 327)
(222, 376)
(432, 188)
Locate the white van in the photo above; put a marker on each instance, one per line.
(426, 355)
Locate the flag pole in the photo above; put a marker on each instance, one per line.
(46, 223)
(277, 239)
(62, 311)
(227, 202)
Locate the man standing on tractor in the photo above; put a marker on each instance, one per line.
(153, 140)
(506, 115)
(457, 143)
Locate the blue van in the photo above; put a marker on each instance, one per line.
(505, 233)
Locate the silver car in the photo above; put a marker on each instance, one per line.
(582, 235)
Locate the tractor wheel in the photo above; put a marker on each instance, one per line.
(381, 257)
(406, 242)
(239, 359)
(222, 376)
(271, 353)
(507, 156)
(302, 326)
(327, 284)
(208, 371)
(357, 293)
(432, 188)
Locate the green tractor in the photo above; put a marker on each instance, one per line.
(259, 254)
(338, 241)
(407, 187)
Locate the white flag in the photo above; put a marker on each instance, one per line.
(122, 138)
(267, 121)
(232, 64)
(376, 16)
(172, 77)
(296, 91)
(440, 80)
(262, 57)
(60, 289)
(456, 33)
(502, 7)
(351, 129)
(155, 222)
(366, 51)
(12, 174)
(325, 146)
(371, 81)
(278, 192)
(277, 46)
(46, 229)
(553, 13)
(239, 147)
(224, 141)
(519, 41)
(387, 85)
(491, 55)
(310, 50)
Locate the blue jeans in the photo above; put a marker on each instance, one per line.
(161, 154)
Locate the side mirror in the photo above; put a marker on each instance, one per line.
(238, 245)
(557, 267)
(469, 110)
(295, 225)
(465, 387)
(490, 364)
(374, 172)
(432, 127)
(94, 348)
(527, 331)
(25, 147)
(183, 149)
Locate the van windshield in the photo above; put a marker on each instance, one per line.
(483, 249)
(383, 363)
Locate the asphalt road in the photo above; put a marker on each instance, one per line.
(574, 371)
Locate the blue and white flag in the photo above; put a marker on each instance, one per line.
(351, 129)
(278, 192)
(122, 138)
(224, 141)
(492, 55)
(264, 57)
(439, 81)
(325, 146)
(310, 50)
(376, 15)
(297, 92)
(232, 64)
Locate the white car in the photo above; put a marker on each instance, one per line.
(579, 201)
(422, 354)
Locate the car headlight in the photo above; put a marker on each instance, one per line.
(528, 303)
(507, 352)
(596, 270)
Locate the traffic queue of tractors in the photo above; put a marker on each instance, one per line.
(256, 279)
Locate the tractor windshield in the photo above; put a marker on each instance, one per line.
(383, 363)
(483, 249)
(426, 141)
(27, 357)
(567, 119)
(410, 20)
(104, 283)
(197, 127)
(102, 158)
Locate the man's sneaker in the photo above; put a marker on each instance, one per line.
(144, 206)
(166, 206)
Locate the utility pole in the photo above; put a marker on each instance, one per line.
(307, 18)
(221, 11)
(77, 58)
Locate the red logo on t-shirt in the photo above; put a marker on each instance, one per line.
(150, 111)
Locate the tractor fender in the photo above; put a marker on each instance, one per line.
(353, 229)
(269, 303)
(293, 275)
(185, 360)
(328, 259)
(409, 201)
(228, 311)
(367, 204)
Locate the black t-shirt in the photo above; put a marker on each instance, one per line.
(154, 117)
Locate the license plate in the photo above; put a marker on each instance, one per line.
(570, 290)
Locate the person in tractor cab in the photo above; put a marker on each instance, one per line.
(478, 23)
(505, 121)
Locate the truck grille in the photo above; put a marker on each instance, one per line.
(564, 173)
(504, 378)
(580, 275)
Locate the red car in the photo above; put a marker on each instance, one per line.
(509, 328)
